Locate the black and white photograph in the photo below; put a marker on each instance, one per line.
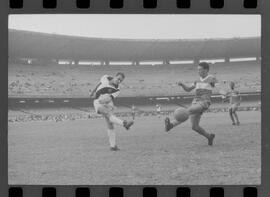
(134, 99)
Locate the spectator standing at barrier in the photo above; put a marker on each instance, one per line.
(158, 107)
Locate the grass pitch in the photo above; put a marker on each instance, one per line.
(77, 152)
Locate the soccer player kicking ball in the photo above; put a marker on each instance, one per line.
(201, 102)
(235, 100)
(104, 94)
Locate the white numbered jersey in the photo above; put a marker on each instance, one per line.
(106, 88)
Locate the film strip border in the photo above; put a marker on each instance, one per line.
(175, 6)
(121, 4)
(143, 192)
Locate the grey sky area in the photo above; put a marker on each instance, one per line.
(141, 26)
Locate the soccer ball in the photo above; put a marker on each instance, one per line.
(181, 114)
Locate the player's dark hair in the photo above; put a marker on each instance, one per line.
(204, 65)
(120, 73)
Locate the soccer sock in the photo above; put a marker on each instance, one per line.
(112, 136)
(116, 120)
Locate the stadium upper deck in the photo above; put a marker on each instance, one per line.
(160, 80)
(43, 78)
(26, 44)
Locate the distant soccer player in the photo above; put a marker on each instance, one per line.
(158, 108)
(235, 100)
(201, 102)
(104, 94)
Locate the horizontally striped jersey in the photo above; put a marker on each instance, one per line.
(106, 88)
(234, 96)
(204, 87)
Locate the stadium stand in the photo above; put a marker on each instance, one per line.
(44, 77)
(159, 80)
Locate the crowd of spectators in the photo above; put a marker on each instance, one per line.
(160, 80)
(83, 115)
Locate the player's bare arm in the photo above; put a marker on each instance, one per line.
(92, 94)
(185, 87)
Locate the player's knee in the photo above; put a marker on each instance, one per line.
(195, 127)
(195, 110)
(191, 111)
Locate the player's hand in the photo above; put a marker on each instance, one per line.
(92, 94)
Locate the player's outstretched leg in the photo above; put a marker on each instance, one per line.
(195, 120)
(171, 124)
(180, 115)
(125, 123)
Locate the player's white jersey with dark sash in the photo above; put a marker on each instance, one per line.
(203, 91)
(103, 89)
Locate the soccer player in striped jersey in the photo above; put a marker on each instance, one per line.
(234, 99)
(201, 102)
(104, 94)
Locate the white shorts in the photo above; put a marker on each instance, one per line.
(104, 109)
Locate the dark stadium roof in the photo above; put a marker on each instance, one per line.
(42, 45)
